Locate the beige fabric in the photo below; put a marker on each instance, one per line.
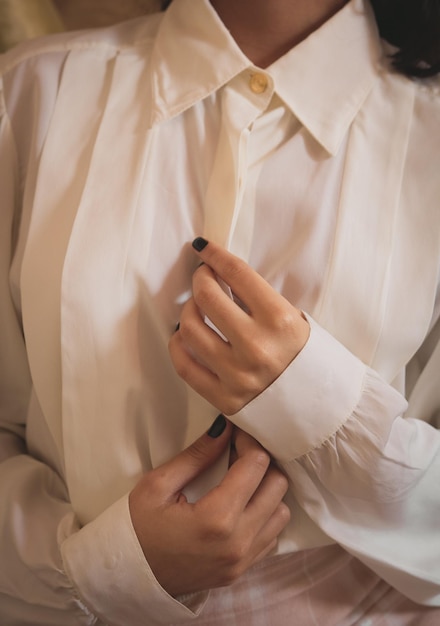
(321, 587)
(25, 19)
(114, 135)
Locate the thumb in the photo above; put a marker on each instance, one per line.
(197, 457)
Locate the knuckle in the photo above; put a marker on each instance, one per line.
(224, 526)
(217, 529)
(236, 554)
(227, 266)
(203, 294)
(188, 330)
(181, 368)
(260, 459)
(259, 354)
(284, 514)
(284, 319)
(196, 453)
(260, 364)
(178, 360)
(155, 483)
(233, 268)
(281, 483)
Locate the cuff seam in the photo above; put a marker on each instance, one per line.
(350, 415)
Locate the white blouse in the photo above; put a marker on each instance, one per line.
(118, 147)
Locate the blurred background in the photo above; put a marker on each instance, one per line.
(24, 19)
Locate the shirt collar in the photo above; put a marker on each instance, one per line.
(194, 55)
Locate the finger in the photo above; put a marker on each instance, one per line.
(201, 341)
(268, 551)
(242, 480)
(246, 283)
(268, 496)
(214, 302)
(266, 539)
(273, 486)
(195, 374)
(195, 459)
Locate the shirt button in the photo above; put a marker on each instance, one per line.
(258, 82)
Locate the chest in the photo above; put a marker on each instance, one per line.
(340, 237)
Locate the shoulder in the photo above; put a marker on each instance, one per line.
(426, 118)
(31, 73)
(67, 73)
(408, 110)
(130, 36)
(422, 96)
(423, 151)
(428, 95)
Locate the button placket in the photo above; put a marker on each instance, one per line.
(241, 105)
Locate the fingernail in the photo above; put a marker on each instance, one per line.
(199, 243)
(217, 427)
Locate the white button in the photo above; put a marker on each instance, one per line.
(258, 82)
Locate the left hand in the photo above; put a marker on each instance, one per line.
(262, 340)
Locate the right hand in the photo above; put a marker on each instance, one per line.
(210, 543)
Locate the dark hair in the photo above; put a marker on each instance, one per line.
(412, 26)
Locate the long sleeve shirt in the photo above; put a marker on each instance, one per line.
(117, 148)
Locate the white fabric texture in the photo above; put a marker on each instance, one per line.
(118, 147)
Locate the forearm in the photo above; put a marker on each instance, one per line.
(53, 571)
(364, 474)
(34, 516)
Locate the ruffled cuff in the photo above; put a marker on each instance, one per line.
(106, 565)
(309, 401)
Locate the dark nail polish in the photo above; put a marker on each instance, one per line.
(199, 243)
(217, 427)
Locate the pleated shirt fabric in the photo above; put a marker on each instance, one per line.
(117, 148)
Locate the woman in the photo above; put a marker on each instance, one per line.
(280, 140)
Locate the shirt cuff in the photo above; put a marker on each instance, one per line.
(107, 566)
(309, 401)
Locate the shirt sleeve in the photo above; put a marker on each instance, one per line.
(106, 563)
(32, 496)
(52, 571)
(364, 473)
